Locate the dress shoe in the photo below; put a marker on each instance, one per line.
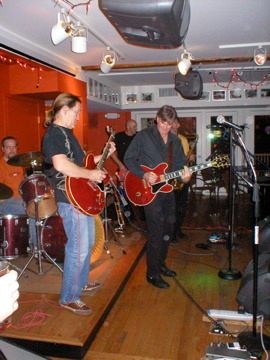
(167, 272)
(157, 282)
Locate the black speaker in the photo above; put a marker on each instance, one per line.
(264, 235)
(150, 23)
(245, 293)
(189, 86)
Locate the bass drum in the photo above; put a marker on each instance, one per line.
(53, 238)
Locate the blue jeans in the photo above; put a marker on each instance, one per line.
(80, 232)
(15, 206)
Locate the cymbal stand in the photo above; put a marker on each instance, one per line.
(108, 225)
(39, 250)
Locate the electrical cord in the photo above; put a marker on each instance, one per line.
(201, 309)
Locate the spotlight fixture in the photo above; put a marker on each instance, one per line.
(62, 30)
(260, 55)
(108, 61)
(66, 28)
(79, 39)
(185, 63)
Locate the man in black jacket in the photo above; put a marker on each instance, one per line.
(150, 147)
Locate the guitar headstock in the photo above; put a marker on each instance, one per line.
(110, 131)
(220, 161)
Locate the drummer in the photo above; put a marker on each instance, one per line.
(12, 176)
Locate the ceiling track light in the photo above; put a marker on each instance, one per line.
(260, 55)
(185, 63)
(108, 61)
(65, 28)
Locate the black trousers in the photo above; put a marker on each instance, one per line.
(181, 204)
(160, 220)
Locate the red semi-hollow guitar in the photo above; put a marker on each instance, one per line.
(141, 193)
(88, 196)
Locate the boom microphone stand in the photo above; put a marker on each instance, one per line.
(230, 273)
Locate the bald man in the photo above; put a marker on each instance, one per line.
(122, 142)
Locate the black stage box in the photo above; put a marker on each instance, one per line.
(150, 23)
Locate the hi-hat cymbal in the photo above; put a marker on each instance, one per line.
(5, 192)
(27, 159)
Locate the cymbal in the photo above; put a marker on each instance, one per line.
(5, 192)
(27, 159)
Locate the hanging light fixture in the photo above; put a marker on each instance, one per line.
(65, 28)
(108, 61)
(185, 63)
(260, 55)
(79, 39)
(62, 29)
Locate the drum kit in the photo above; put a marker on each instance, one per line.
(40, 205)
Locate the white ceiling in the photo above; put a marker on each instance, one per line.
(26, 26)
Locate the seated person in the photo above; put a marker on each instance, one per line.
(12, 176)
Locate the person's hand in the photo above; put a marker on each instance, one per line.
(112, 148)
(9, 294)
(150, 177)
(97, 175)
(186, 176)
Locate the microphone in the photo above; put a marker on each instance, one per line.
(221, 120)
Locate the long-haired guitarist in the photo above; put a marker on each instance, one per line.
(151, 147)
(63, 151)
(181, 190)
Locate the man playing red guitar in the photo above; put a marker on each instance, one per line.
(151, 147)
(62, 150)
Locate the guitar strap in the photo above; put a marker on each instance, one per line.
(60, 178)
(170, 156)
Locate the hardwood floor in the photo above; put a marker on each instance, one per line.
(146, 323)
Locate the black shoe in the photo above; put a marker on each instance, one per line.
(167, 272)
(157, 282)
(174, 240)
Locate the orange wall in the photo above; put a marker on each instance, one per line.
(23, 107)
(97, 136)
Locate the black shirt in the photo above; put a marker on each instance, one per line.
(149, 149)
(122, 141)
(60, 140)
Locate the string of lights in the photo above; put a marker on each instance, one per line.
(236, 77)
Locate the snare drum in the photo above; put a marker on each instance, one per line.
(53, 238)
(14, 236)
(38, 195)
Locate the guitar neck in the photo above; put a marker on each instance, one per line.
(192, 169)
(105, 154)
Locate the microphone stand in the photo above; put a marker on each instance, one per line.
(230, 273)
(252, 341)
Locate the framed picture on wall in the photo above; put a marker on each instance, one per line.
(235, 94)
(265, 92)
(147, 97)
(219, 95)
(251, 93)
(131, 98)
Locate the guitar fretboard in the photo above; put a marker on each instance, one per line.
(192, 169)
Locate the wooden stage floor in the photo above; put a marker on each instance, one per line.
(131, 319)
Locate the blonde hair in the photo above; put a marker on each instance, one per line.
(64, 99)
